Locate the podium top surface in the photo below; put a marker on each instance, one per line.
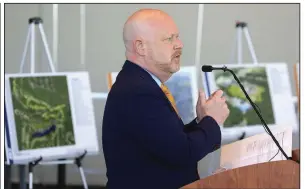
(276, 174)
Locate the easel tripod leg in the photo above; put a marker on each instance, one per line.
(22, 184)
(81, 171)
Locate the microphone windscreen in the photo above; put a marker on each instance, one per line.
(207, 68)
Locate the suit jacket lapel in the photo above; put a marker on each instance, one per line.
(135, 69)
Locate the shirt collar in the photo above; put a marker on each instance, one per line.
(155, 78)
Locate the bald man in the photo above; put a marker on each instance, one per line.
(145, 143)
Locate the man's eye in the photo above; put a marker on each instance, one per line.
(170, 39)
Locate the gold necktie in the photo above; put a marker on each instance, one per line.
(170, 97)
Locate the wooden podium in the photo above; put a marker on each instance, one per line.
(276, 174)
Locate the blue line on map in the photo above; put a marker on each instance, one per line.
(44, 132)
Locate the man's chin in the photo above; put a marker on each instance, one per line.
(177, 66)
(175, 70)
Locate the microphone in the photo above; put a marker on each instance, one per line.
(208, 68)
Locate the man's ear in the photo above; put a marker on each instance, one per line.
(139, 47)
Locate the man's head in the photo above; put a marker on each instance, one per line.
(152, 40)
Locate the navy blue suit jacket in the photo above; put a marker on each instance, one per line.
(145, 143)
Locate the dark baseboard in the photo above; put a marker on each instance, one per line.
(49, 186)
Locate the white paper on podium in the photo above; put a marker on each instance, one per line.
(257, 149)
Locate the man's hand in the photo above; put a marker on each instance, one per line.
(215, 107)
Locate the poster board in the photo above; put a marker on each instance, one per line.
(296, 73)
(47, 114)
(183, 86)
(267, 85)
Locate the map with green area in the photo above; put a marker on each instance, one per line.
(42, 112)
(255, 82)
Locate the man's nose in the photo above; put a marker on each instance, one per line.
(178, 44)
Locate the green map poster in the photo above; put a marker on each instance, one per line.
(255, 82)
(42, 112)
